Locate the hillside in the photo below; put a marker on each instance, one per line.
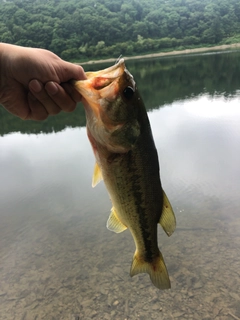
(87, 29)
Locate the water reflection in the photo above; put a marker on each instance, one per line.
(203, 159)
(58, 260)
(33, 161)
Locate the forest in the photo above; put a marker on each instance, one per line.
(80, 30)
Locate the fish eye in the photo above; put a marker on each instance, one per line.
(128, 92)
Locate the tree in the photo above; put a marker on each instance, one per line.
(73, 26)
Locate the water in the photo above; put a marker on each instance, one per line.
(58, 260)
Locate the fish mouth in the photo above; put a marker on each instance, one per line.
(101, 79)
(100, 91)
(99, 85)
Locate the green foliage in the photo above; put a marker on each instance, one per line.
(231, 40)
(86, 29)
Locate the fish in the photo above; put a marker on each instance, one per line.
(119, 131)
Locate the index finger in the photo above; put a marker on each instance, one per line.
(63, 95)
(70, 89)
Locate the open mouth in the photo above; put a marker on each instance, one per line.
(100, 85)
(99, 80)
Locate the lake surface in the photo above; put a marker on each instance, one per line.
(57, 258)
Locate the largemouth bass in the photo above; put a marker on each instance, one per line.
(126, 159)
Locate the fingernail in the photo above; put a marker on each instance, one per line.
(51, 88)
(35, 86)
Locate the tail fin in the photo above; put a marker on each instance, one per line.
(156, 269)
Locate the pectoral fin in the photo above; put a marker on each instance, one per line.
(114, 224)
(167, 220)
(97, 175)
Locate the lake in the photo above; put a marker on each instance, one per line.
(57, 258)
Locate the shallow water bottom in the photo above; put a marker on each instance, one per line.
(62, 266)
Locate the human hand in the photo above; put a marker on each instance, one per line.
(34, 83)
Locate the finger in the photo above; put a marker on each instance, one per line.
(69, 88)
(71, 71)
(60, 96)
(39, 92)
(37, 110)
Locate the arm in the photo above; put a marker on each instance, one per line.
(34, 82)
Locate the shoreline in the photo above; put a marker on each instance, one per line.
(163, 54)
